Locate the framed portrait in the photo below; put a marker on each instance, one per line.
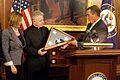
(67, 15)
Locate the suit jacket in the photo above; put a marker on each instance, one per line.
(99, 30)
(12, 46)
(35, 40)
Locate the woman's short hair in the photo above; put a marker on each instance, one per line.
(14, 18)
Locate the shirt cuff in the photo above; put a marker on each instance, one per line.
(76, 44)
(79, 44)
(8, 63)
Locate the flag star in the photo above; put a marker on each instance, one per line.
(50, 43)
(17, 10)
(14, 5)
(15, 1)
(24, 6)
(66, 38)
(25, 2)
(22, 1)
(58, 40)
(54, 32)
(21, 4)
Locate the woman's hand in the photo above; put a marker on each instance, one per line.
(13, 69)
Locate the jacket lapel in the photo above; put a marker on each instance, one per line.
(24, 42)
(17, 40)
(89, 31)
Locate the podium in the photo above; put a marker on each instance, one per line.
(93, 65)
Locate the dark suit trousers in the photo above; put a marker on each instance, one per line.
(38, 75)
(11, 76)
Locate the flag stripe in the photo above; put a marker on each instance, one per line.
(24, 8)
(21, 26)
(24, 26)
(25, 18)
(28, 15)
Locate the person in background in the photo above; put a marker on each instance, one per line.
(96, 30)
(13, 43)
(36, 37)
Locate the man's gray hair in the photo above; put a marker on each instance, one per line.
(37, 13)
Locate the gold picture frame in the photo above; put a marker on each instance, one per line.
(67, 24)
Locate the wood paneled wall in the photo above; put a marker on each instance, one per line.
(117, 3)
(5, 6)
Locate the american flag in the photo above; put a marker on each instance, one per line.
(23, 7)
(57, 38)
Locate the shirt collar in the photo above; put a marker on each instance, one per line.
(94, 24)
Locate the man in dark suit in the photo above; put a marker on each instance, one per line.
(37, 59)
(96, 30)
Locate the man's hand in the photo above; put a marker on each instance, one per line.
(41, 51)
(73, 42)
(64, 46)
